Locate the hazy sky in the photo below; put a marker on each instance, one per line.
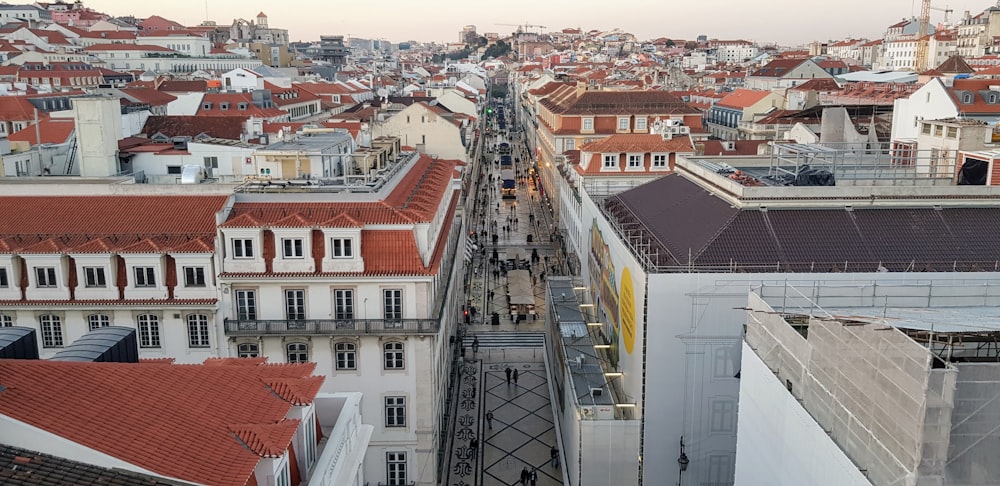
(787, 22)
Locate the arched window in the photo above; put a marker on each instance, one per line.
(97, 321)
(347, 356)
(297, 352)
(393, 352)
(247, 350)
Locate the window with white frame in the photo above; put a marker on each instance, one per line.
(297, 352)
(395, 468)
(94, 277)
(341, 248)
(246, 304)
(45, 277)
(194, 276)
(610, 161)
(720, 468)
(211, 162)
(393, 352)
(588, 124)
(4, 281)
(149, 330)
(392, 303)
(347, 356)
(284, 477)
(343, 304)
(145, 276)
(722, 364)
(660, 161)
(640, 123)
(309, 430)
(97, 321)
(291, 248)
(6, 321)
(622, 124)
(242, 248)
(723, 416)
(295, 304)
(197, 325)
(52, 334)
(570, 144)
(395, 411)
(247, 350)
(634, 161)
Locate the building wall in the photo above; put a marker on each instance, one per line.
(418, 126)
(930, 102)
(779, 443)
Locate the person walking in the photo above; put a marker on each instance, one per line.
(533, 476)
(508, 371)
(474, 446)
(525, 475)
(554, 457)
(475, 346)
(489, 419)
(515, 377)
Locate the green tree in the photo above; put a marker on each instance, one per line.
(498, 91)
(501, 48)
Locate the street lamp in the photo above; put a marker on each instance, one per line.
(682, 463)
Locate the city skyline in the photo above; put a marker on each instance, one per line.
(441, 21)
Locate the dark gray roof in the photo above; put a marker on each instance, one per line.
(21, 467)
(687, 227)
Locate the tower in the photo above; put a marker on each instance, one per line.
(261, 21)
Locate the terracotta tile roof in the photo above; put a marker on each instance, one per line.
(183, 86)
(267, 440)
(740, 147)
(778, 68)
(142, 413)
(52, 130)
(234, 100)
(22, 467)
(955, 65)
(228, 128)
(976, 88)
(149, 96)
(817, 84)
(567, 102)
(742, 98)
(18, 108)
(638, 143)
(64, 223)
(297, 391)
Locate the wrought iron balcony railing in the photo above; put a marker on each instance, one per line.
(346, 327)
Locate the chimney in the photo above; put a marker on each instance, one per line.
(581, 87)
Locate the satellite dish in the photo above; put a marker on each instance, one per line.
(657, 125)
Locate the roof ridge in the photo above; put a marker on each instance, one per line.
(266, 440)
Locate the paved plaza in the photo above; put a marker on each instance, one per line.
(523, 431)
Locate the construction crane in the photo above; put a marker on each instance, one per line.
(946, 11)
(525, 26)
(920, 62)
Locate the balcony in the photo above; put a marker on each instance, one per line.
(330, 327)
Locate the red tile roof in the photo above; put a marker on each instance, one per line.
(72, 223)
(142, 414)
(638, 143)
(778, 68)
(52, 130)
(126, 47)
(742, 98)
(228, 128)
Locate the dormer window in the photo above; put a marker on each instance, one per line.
(207, 106)
(967, 98)
(242, 106)
(342, 248)
(223, 106)
(610, 161)
(623, 124)
(588, 124)
(993, 98)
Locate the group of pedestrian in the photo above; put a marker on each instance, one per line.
(529, 476)
(511, 373)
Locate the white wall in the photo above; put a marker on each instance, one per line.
(779, 443)
(930, 102)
